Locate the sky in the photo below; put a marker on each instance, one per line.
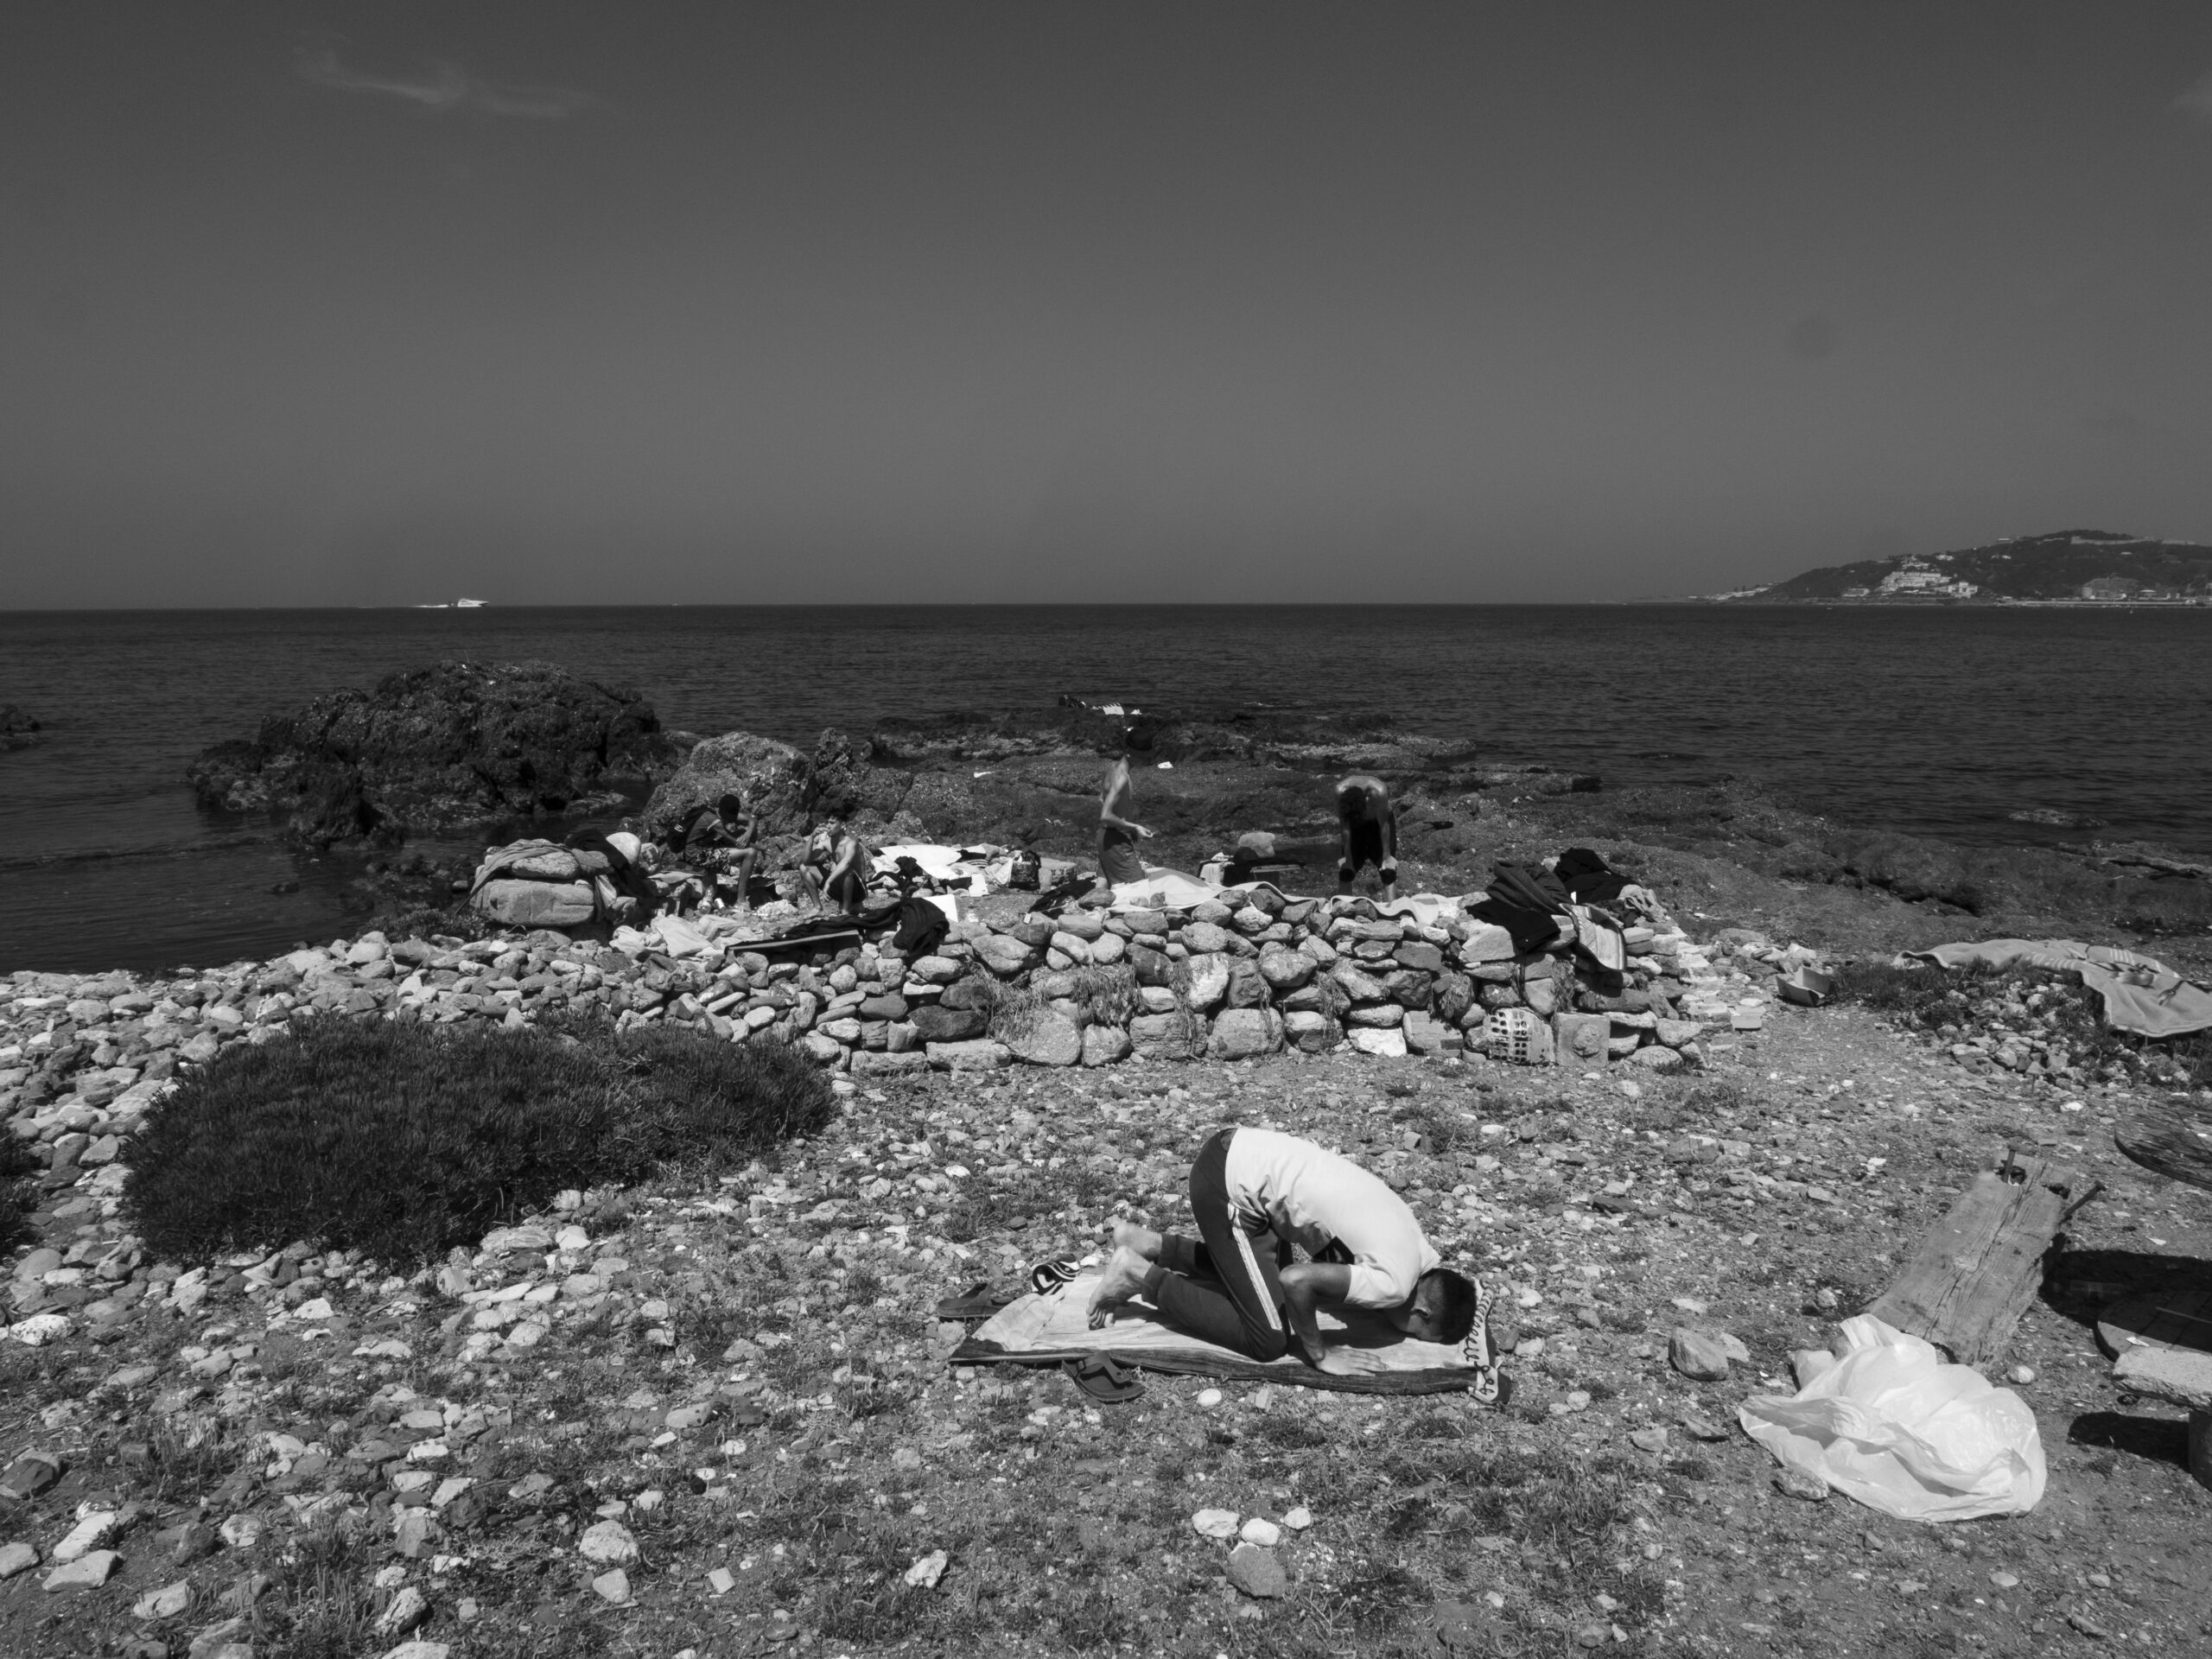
(558, 303)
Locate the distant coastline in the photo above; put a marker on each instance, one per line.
(2094, 569)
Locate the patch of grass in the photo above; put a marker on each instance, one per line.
(18, 1161)
(401, 1139)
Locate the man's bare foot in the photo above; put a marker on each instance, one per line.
(1127, 1274)
(1129, 1235)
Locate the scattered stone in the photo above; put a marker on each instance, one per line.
(87, 1535)
(1257, 1572)
(1264, 1533)
(609, 1543)
(168, 1602)
(613, 1585)
(1700, 1357)
(31, 1474)
(1215, 1523)
(927, 1570)
(408, 1608)
(1298, 1519)
(15, 1559)
(1793, 1482)
(87, 1572)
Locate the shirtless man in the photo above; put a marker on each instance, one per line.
(1371, 832)
(1117, 835)
(1255, 1193)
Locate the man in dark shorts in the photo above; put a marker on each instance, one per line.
(1255, 1193)
(1371, 832)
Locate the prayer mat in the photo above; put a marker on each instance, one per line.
(1053, 1328)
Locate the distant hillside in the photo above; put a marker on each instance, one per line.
(2086, 565)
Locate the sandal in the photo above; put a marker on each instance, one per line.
(1107, 1381)
(978, 1302)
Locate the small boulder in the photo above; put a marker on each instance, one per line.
(1043, 1037)
(1700, 1357)
(1246, 1034)
(1104, 1045)
(1257, 1572)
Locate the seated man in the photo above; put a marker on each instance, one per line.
(1238, 1287)
(837, 867)
(1371, 832)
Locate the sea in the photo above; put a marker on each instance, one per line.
(1988, 725)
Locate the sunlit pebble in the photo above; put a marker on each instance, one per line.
(2023, 1375)
(1210, 1398)
(1298, 1519)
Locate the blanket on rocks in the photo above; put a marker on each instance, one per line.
(2141, 993)
(1054, 1327)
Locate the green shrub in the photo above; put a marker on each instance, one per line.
(401, 1139)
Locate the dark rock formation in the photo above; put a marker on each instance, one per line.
(17, 729)
(438, 748)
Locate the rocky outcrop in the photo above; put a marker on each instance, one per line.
(17, 729)
(438, 748)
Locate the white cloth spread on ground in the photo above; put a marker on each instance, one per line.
(1056, 1326)
(2141, 993)
(1313, 1197)
(1163, 889)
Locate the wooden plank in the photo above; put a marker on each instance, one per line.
(1974, 1272)
(2164, 1318)
(2174, 1141)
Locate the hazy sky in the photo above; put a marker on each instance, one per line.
(308, 304)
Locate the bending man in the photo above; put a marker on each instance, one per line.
(1255, 1193)
(1369, 832)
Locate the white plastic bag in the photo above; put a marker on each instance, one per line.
(1894, 1426)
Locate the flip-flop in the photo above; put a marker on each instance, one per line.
(978, 1302)
(1048, 1276)
(1477, 1351)
(1107, 1381)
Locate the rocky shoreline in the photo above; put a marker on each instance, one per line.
(621, 1421)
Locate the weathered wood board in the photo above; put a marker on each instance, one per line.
(2176, 1143)
(1975, 1272)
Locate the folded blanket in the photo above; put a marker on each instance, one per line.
(1054, 1327)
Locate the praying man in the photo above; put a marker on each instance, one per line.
(1254, 1194)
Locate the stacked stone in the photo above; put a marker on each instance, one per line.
(1250, 974)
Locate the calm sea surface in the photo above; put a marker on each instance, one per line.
(1944, 722)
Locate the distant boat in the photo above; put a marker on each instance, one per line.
(468, 604)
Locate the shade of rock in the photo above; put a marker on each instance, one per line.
(87, 1572)
(1004, 956)
(944, 1025)
(1104, 1045)
(1245, 1033)
(980, 1056)
(1215, 1523)
(609, 1543)
(1424, 1034)
(32, 1473)
(1359, 987)
(1208, 982)
(1653, 1057)
(1257, 1572)
(1044, 1037)
(87, 1535)
(1697, 1355)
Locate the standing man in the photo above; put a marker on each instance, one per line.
(1117, 834)
(1255, 1193)
(1369, 832)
